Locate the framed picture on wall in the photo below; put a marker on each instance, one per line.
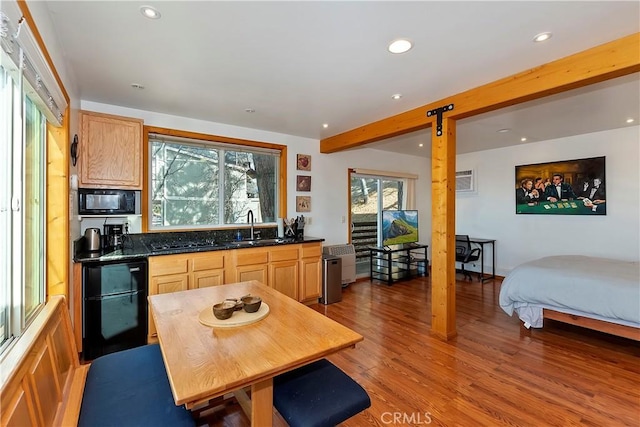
(567, 187)
(303, 203)
(303, 162)
(303, 183)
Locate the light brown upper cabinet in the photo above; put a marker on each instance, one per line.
(110, 151)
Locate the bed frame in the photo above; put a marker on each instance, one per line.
(597, 325)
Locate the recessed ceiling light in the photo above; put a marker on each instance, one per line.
(325, 125)
(421, 145)
(505, 130)
(400, 46)
(542, 37)
(396, 96)
(137, 86)
(523, 139)
(150, 12)
(630, 120)
(249, 110)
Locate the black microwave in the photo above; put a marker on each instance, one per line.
(107, 202)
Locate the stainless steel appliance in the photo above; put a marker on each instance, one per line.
(113, 236)
(108, 202)
(114, 311)
(92, 238)
(331, 279)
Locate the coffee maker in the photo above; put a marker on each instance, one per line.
(113, 235)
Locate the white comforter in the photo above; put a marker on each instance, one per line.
(600, 288)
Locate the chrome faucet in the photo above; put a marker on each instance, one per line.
(250, 221)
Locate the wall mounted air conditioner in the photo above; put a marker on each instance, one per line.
(348, 255)
(465, 181)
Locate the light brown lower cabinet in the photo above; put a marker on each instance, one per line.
(208, 269)
(249, 264)
(204, 279)
(310, 272)
(174, 273)
(164, 285)
(294, 270)
(253, 272)
(283, 269)
(283, 277)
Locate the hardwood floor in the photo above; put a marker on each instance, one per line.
(493, 373)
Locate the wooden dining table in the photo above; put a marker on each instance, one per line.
(205, 362)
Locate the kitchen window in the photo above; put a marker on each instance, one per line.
(205, 184)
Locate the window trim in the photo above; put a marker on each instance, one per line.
(237, 142)
(409, 195)
(16, 316)
(56, 192)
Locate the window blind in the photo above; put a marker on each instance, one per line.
(22, 59)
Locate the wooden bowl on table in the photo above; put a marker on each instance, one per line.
(251, 303)
(224, 310)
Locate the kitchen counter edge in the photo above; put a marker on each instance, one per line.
(141, 251)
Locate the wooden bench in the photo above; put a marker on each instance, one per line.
(318, 395)
(43, 383)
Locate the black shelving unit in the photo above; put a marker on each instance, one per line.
(398, 262)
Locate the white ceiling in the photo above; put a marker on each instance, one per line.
(594, 108)
(302, 64)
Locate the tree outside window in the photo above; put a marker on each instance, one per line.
(189, 188)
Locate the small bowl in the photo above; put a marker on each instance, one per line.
(238, 304)
(224, 310)
(251, 303)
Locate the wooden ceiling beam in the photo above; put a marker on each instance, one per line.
(607, 61)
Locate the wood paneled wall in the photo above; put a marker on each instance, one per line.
(37, 374)
(57, 267)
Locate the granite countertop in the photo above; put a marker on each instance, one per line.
(137, 248)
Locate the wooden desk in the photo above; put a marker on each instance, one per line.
(480, 241)
(203, 362)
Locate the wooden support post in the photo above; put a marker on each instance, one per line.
(443, 199)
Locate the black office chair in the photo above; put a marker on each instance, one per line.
(465, 254)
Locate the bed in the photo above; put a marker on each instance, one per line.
(596, 293)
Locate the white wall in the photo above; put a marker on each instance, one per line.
(488, 213)
(491, 212)
(333, 177)
(329, 186)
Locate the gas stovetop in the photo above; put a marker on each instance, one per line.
(183, 245)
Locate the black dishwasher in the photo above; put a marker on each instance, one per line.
(114, 309)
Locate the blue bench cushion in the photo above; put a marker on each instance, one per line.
(131, 388)
(318, 395)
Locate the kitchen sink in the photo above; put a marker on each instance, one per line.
(241, 244)
(274, 241)
(257, 242)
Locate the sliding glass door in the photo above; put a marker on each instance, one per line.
(370, 195)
